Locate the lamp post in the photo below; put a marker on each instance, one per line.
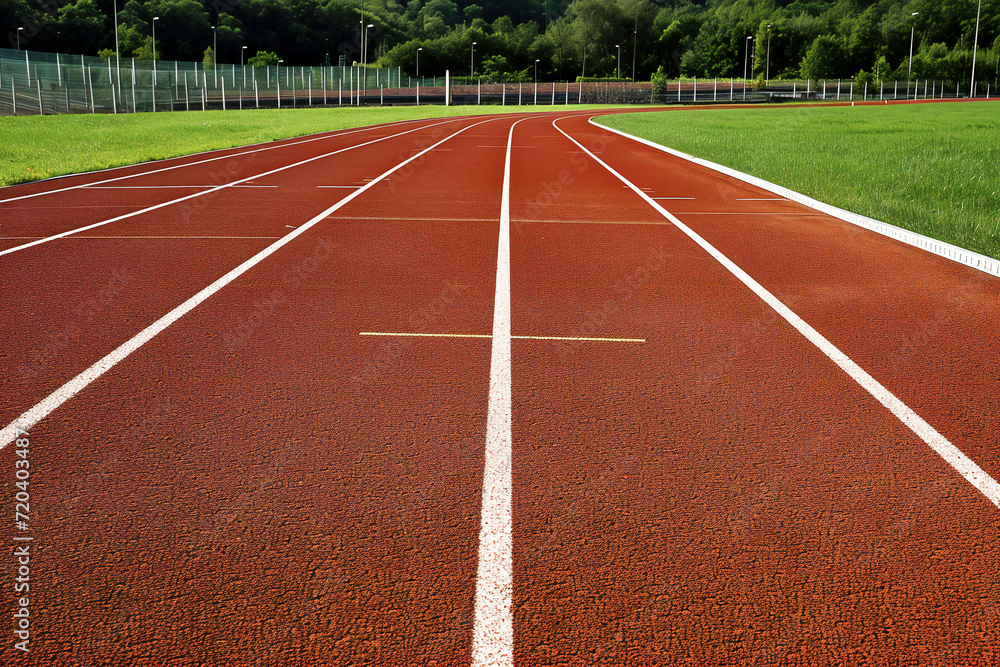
(909, 69)
(767, 75)
(618, 62)
(155, 19)
(215, 55)
(975, 46)
(536, 81)
(746, 61)
(635, 39)
(19, 38)
(243, 67)
(472, 61)
(367, 29)
(118, 60)
(277, 75)
(418, 61)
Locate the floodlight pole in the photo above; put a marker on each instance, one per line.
(975, 46)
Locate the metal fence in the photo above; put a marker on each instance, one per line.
(51, 83)
(33, 82)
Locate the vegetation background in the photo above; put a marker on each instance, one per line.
(869, 39)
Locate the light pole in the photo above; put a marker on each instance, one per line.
(215, 55)
(243, 67)
(618, 62)
(118, 60)
(975, 46)
(472, 61)
(584, 72)
(19, 38)
(909, 69)
(418, 61)
(155, 19)
(635, 39)
(367, 29)
(277, 74)
(536, 81)
(767, 76)
(746, 61)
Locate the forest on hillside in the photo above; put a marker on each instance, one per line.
(568, 38)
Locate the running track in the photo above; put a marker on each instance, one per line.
(611, 451)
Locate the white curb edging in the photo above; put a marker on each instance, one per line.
(940, 248)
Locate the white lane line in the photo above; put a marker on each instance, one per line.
(748, 213)
(973, 260)
(164, 187)
(340, 187)
(659, 198)
(764, 199)
(400, 334)
(192, 164)
(67, 391)
(140, 238)
(206, 192)
(493, 625)
(965, 466)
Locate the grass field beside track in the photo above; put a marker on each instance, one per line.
(930, 168)
(37, 147)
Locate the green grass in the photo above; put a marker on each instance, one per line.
(930, 168)
(37, 147)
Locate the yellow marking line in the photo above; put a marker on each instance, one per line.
(452, 335)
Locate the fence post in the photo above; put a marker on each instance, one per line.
(695, 98)
(41, 112)
(731, 90)
(418, 93)
(13, 95)
(90, 84)
(518, 93)
(579, 93)
(715, 95)
(187, 100)
(340, 95)
(223, 92)
(256, 93)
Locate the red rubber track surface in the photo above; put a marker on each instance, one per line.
(261, 485)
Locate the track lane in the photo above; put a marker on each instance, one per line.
(920, 324)
(697, 501)
(102, 291)
(189, 204)
(274, 500)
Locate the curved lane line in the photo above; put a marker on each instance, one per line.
(208, 192)
(189, 164)
(965, 466)
(27, 420)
